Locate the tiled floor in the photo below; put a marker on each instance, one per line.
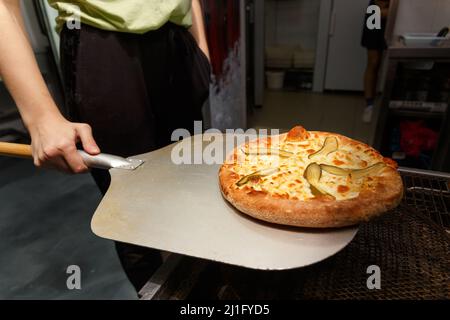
(44, 228)
(332, 112)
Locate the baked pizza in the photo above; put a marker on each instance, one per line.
(310, 179)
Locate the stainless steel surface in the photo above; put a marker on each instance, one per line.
(398, 51)
(175, 279)
(428, 192)
(179, 208)
(430, 173)
(160, 277)
(108, 161)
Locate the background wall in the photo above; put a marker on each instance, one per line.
(292, 22)
(422, 16)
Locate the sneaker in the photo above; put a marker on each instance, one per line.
(367, 114)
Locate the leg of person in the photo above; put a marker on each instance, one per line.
(105, 87)
(370, 81)
(373, 40)
(371, 73)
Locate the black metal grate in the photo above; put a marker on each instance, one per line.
(408, 244)
(429, 193)
(412, 252)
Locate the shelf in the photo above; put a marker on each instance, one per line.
(401, 52)
(417, 114)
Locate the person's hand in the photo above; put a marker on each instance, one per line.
(54, 142)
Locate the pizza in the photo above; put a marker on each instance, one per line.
(310, 179)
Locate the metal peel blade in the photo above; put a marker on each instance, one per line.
(108, 161)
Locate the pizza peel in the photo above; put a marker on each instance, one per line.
(179, 208)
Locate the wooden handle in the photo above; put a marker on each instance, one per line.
(15, 150)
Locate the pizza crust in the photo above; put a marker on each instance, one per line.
(321, 212)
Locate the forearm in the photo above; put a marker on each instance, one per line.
(384, 7)
(19, 69)
(198, 27)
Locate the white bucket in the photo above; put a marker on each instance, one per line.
(275, 80)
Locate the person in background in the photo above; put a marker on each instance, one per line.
(134, 71)
(374, 41)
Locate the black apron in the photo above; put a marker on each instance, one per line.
(134, 90)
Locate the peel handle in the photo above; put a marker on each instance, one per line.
(15, 150)
(101, 161)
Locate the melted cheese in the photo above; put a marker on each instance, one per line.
(288, 180)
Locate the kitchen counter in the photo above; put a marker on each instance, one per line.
(398, 50)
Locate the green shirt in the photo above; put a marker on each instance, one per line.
(134, 16)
